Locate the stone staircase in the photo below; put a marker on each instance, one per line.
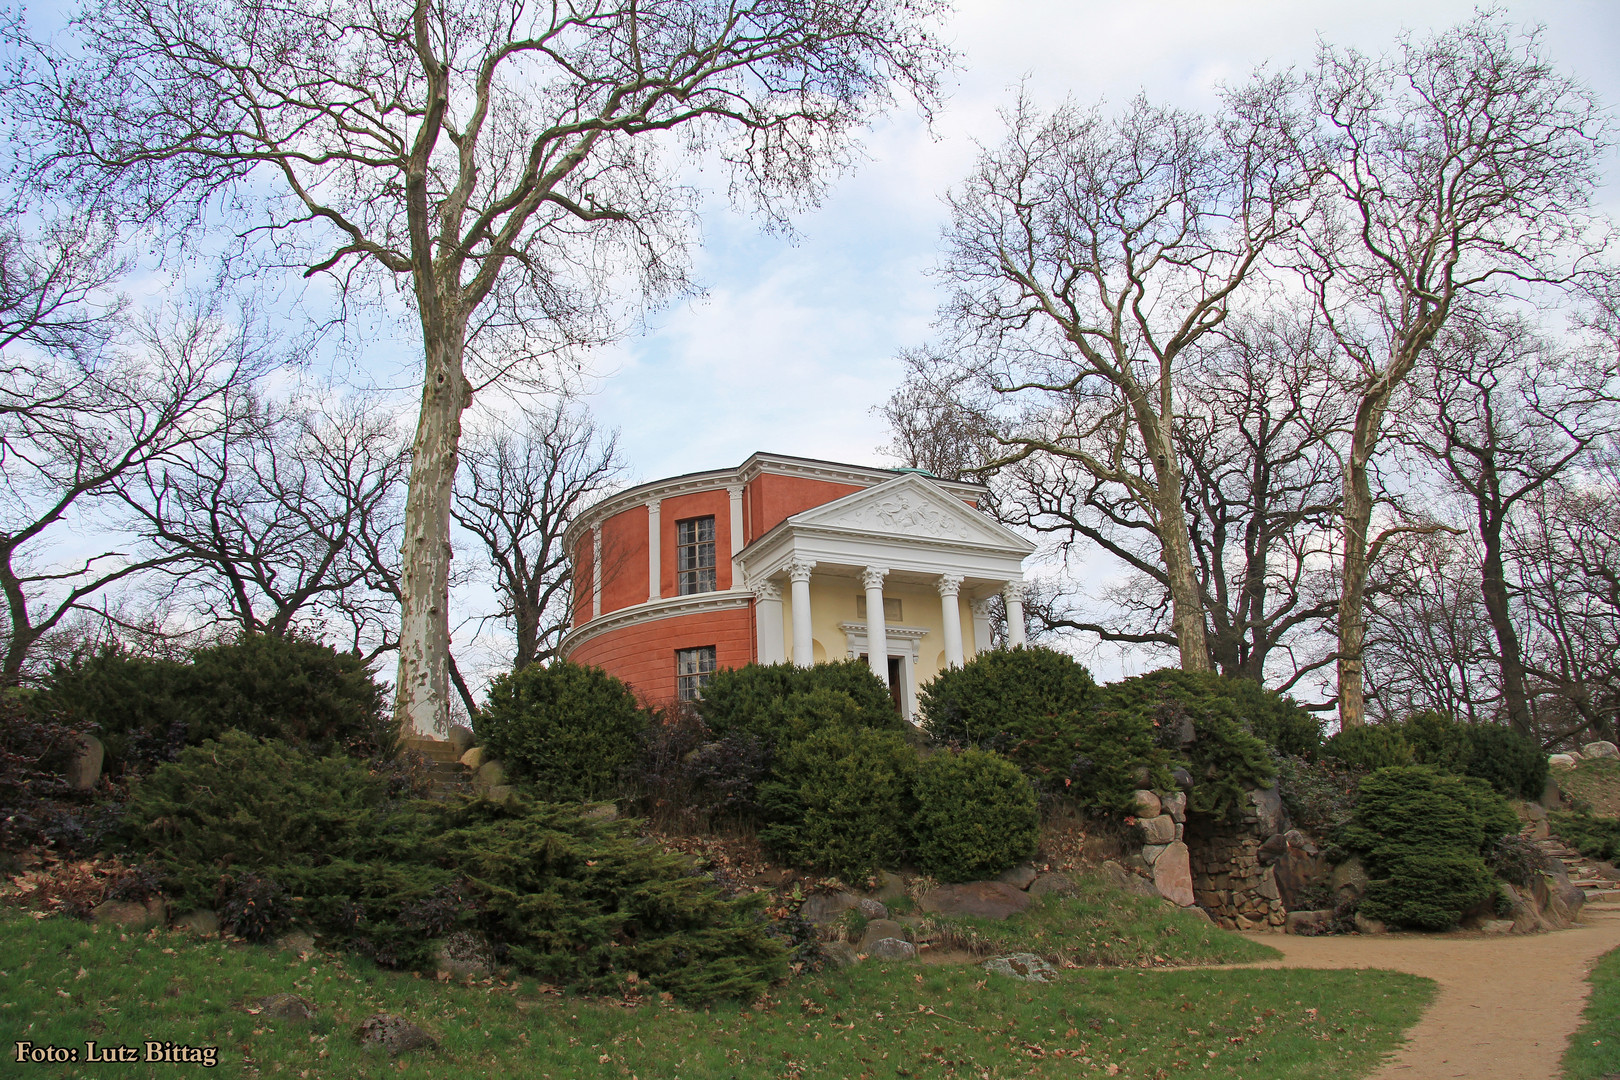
(1600, 891)
(450, 777)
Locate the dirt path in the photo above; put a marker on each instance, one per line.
(1506, 1007)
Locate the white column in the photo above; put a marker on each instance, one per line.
(653, 555)
(981, 626)
(804, 649)
(877, 635)
(768, 640)
(735, 492)
(1013, 592)
(596, 571)
(950, 590)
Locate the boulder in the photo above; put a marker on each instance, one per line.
(202, 922)
(1052, 884)
(463, 956)
(1199, 913)
(1350, 879)
(872, 909)
(1308, 923)
(1496, 926)
(840, 954)
(473, 758)
(1147, 804)
(131, 917)
(1274, 848)
(823, 908)
(1021, 876)
(1551, 797)
(500, 793)
(1298, 868)
(1365, 925)
(1302, 841)
(891, 948)
(1172, 875)
(1175, 805)
(889, 887)
(283, 1007)
(85, 768)
(981, 899)
(1157, 830)
(1182, 777)
(298, 941)
(489, 774)
(1026, 967)
(1601, 748)
(394, 1034)
(600, 811)
(1151, 853)
(461, 738)
(1121, 878)
(1268, 804)
(1560, 761)
(878, 929)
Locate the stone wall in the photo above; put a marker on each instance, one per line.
(1229, 879)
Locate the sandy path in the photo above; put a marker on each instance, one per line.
(1506, 1006)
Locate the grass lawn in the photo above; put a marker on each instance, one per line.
(66, 983)
(1594, 782)
(1594, 1050)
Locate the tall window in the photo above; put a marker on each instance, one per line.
(694, 555)
(693, 669)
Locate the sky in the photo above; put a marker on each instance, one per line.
(794, 343)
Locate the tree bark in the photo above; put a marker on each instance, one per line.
(1186, 599)
(1493, 584)
(1358, 504)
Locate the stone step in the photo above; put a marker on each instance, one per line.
(432, 749)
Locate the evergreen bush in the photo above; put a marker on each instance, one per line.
(1594, 837)
(1170, 693)
(1319, 794)
(1024, 703)
(1424, 836)
(35, 750)
(138, 705)
(1513, 764)
(1370, 746)
(566, 730)
(778, 703)
(841, 800)
(1438, 740)
(1108, 753)
(977, 815)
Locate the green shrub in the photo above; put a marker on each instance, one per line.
(1319, 795)
(1170, 693)
(1424, 836)
(1108, 751)
(976, 815)
(778, 703)
(1594, 837)
(841, 800)
(567, 730)
(1023, 703)
(272, 835)
(1513, 764)
(274, 687)
(1225, 758)
(1370, 746)
(1438, 740)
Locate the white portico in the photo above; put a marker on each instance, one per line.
(894, 573)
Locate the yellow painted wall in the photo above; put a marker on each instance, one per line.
(832, 601)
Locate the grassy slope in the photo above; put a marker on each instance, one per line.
(1595, 782)
(65, 983)
(1594, 1051)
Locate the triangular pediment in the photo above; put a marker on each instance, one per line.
(911, 507)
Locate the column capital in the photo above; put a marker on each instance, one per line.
(872, 577)
(653, 505)
(1013, 591)
(799, 569)
(949, 584)
(734, 491)
(766, 589)
(982, 606)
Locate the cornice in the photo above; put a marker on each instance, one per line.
(667, 608)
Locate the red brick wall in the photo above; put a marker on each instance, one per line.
(643, 655)
(703, 504)
(624, 559)
(771, 499)
(584, 564)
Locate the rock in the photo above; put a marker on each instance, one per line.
(1601, 748)
(461, 738)
(822, 908)
(871, 909)
(500, 793)
(1199, 913)
(489, 774)
(1350, 880)
(1268, 804)
(298, 941)
(1142, 775)
(1053, 884)
(463, 956)
(890, 887)
(130, 917)
(1365, 925)
(1275, 847)
(1175, 805)
(600, 811)
(1268, 885)
(891, 948)
(1151, 853)
(1551, 797)
(878, 929)
(1147, 804)
(840, 953)
(1496, 926)
(1024, 966)
(1299, 868)
(283, 1007)
(1184, 734)
(1302, 841)
(1172, 875)
(85, 768)
(1560, 761)
(202, 922)
(394, 1034)
(1182, 777)
(1157, 830)
(1308, 923)
(1021, 876)
(1121, 878)
(982, 899)
(473, 758)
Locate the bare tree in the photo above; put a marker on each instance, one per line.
(60, 462)
(501, 163)
(1459, 167)
(285, 517)
(517, 493)
(1091, 257)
